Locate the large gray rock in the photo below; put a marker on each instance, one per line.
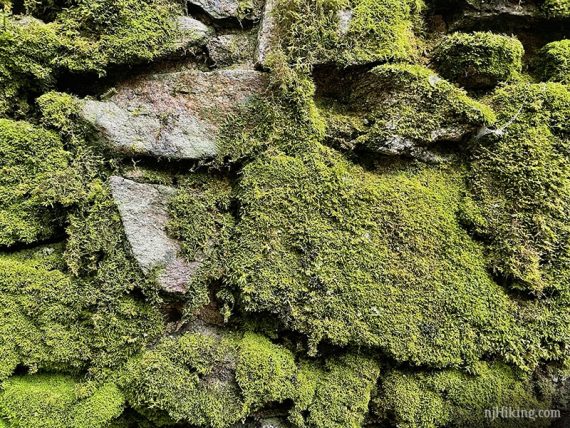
(172, 115)
(192, 32)
(240, 9)
(144, 214)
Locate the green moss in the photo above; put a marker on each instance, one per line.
(402, 105)
(348, 256)
(50, 401)
(59, 111)
(27, 49)
(265, 372)
(188, 379)
(556, 8)
(479, 60)
(342, 393)
(215, 378)
(312, 32)
(554, 62)
(201, 220)
(33, 160)
(520, 192)
(456, 399)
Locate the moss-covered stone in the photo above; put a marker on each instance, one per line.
(519, 184)
(202, 221)
(52, 401)
(347, 256)
(457, 399)
(32, 161)
(400, 109)
(479, 60)
(347, 32)
(554, 62)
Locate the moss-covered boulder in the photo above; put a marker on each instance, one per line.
(554, 62)
(457, 399)
(403, 109)
(33, 164)
(56, 401)
(367, 259)
(479, 60)
(343, 32)
(520, 193)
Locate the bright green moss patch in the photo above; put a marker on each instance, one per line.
(347, 32)
(189, 379)
(520, 188)
(348, 256)
(342, 393)
(32, 160)
(394, 107)
(215, 379)
(51, 401)
(27, 49)
(554, 62)
(457, 399)
(479, 60)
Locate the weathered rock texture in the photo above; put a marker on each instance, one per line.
(220, 9)
(143, 209)
(172, 115)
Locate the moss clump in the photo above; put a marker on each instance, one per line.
(266, 372)
(520, 192)
(32, 161)
(479, 60)
(347, 256)
(51, 401)
(554, 62)
(457, 399)
(369, 31)
(401, 106)
(27, 50)
(342, 391)
(187, 379)
(202, 221)
(210, 378)
(87, 36)
(556, 8)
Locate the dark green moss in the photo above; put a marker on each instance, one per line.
(554, 62)
(556, 8)
(52, 401)
(479, 60)
(396, 106)
(456, 399)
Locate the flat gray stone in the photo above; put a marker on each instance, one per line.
(173, 115)
(220, 9)
(266, 34)
(144, 214)
(192, 32)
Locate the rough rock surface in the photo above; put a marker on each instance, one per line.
(172, 115)
(230, 49)
(192, 32)
(143, 209)
(266, 33)
(220, 9)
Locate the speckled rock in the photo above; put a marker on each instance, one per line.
(220, 9)
(144, 214)
(172, 115)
